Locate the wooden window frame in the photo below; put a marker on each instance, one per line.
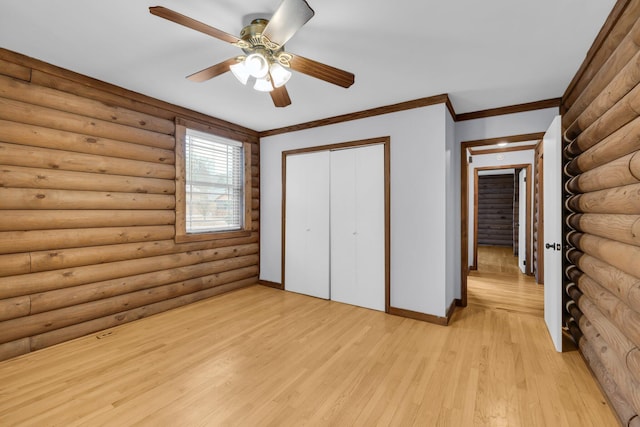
(181, 235)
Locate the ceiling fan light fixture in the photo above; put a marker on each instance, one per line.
(279, 74)
(240, 71)
(257, 65)
(263, 85)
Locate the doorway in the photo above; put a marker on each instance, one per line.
(500, 215)
(503, 149)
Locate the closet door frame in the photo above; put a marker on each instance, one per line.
(385, 141)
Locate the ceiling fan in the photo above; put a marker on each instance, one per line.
(265, 64)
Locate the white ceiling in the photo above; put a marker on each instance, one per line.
(484, 54)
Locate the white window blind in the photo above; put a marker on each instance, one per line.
(214, 178)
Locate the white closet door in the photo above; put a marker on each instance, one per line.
(307, 224)
(357, 227)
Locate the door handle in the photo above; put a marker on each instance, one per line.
(554, 246)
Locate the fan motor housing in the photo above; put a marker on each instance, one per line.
(252, 33)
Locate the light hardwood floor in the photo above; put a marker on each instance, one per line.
(262, 357)
(498, 283)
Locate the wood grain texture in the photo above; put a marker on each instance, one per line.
(618, 116)
(619, 58)
(619, 87)
(512, 109)
(402, 106)
(625, 140)
(615, 28)
(259, 356)
(44, 74)
(87, 218)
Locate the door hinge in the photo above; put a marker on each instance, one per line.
(470, 159)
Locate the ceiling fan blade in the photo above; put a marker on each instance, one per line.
(178, 18)
(290, 16)
(280, 97)
(322, 71)
(213, 71)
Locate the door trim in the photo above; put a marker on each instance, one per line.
(527, 224)
(464, 200)
(386, 142)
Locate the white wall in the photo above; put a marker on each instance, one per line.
(423, 169)
(505, 125)
(453, 235)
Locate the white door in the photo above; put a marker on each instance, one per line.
(307, 224)
(522, 220)
(358, 227)
(552, 184)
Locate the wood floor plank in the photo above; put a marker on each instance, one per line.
(263, 357)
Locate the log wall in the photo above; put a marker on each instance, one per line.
(601, 122)
(495, 210)
(87, 209)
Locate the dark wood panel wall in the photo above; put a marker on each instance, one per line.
(495, 210)
(87, 199)
(602, 127)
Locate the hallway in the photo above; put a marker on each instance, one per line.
(499, 284)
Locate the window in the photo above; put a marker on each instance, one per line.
(212, 184)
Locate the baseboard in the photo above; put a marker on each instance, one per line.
(271, 284)
(452, 308)
(429, 318)
(416, 315)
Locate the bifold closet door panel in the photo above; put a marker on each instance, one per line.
(307, 224)
(357, 227)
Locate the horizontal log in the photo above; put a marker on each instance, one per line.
(623, 285)
(624, 411)
(605, 44)
(28, 198)
(30, 114)
(625, 140)
(236, 269)
(620, 255)
(23, 177)
(629, 387)
(11, 308)
(17, 155)
(14, 348)
(618, 200)
(614, 321)
(47, 97)
(37, 136)
(25, 220)
(14, 70)
(49, 280)
(54, 77)
(620, 57)
(13, 264)
(23, 327)
(620, 86)
(622, 113)
(623, 228)
(76, 257)
(38, 240)
(618, 173)
(54, 337)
